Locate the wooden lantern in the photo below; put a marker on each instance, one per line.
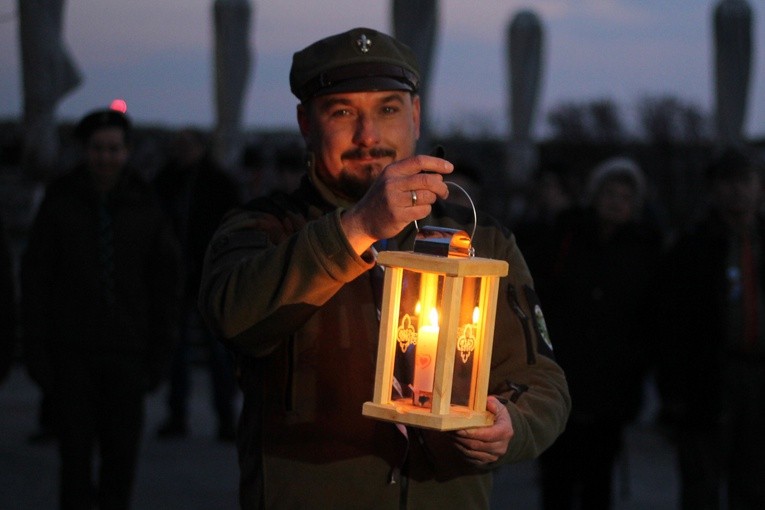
(436, 331)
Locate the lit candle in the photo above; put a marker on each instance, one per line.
(425, 354)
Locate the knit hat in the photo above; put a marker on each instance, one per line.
(616, 168)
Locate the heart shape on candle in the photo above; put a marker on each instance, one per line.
(424, 360)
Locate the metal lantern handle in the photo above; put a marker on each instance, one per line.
(470, 248)
(475, 214)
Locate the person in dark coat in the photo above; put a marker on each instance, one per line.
(595, 284)
(196, 193)
(712, 375)
(100, 293)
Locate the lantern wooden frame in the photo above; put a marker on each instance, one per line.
(442, 414)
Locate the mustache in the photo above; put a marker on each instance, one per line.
(375, 152)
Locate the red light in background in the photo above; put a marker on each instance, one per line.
(119, 105)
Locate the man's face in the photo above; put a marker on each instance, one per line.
(355, 135)
(107, 153)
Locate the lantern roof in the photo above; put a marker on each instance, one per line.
(462, 267)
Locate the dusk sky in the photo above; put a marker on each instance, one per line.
(157, 55)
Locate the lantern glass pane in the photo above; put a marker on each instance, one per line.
(467, 342)
(417, 334)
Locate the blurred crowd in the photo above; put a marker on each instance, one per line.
(626, 298)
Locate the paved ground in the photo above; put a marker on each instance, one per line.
(199, 473)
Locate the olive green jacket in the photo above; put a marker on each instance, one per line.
(284, 289)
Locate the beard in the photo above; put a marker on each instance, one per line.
(354, 187)
(353, 184)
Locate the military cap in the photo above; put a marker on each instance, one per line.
(99, 119)
(361, 59)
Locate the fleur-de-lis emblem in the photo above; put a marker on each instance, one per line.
(466, 342)
(363, 43)
(406, 334)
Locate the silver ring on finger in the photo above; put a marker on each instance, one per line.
(414, 198)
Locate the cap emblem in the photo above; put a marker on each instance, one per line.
(363, 43)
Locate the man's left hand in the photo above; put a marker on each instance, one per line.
(484, 445)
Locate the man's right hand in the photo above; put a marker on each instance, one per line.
(404, 192)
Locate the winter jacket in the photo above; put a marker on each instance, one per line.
(63, 302)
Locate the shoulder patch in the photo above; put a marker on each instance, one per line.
(544, 343)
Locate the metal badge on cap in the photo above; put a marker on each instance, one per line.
(364, 43)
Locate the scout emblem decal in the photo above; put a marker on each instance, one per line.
(544, 343)
(541, 325)
(363, 43)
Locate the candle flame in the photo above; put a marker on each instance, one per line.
(476, 315)
(433, 316)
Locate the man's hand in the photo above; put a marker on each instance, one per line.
(484, 445)
(403, 193)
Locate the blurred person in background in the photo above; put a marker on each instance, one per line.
(712, 321)
(196, 193)
(595, 275)
(549, 195)
(100, 293)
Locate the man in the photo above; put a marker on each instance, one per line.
(288, 284)
(100, 292)
(712, 374)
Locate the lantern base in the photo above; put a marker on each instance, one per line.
(403, 411)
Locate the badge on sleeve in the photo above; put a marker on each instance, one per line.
(544, 344)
